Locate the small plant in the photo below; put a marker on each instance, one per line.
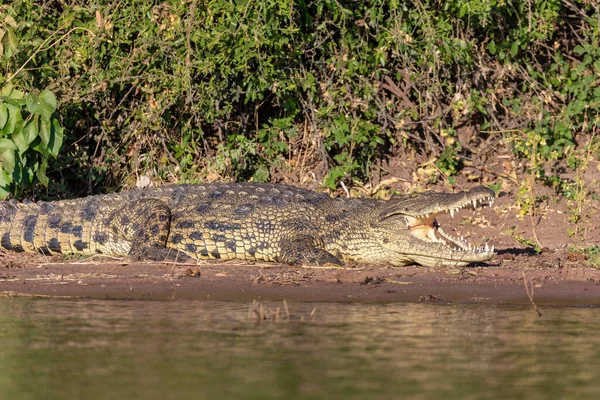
(30, 134)
(526, 201)
(448, 161)
(591, 253)
(496, 187)
(524, 241)
(580, 194)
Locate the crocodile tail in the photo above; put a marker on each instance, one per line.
(19, 229)
(33, 227)
(8, 210)
(65, 226)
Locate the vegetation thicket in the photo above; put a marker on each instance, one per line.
(195, 91)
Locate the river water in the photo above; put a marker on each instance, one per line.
(91, 349)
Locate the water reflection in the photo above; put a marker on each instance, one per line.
(162, 350)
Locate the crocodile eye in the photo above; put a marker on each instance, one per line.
(414, 195)
(386, 240)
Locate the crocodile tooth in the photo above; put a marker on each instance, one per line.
(452, 212)
(487, 248)
(492, 249)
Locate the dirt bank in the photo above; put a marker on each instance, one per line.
(556, 279)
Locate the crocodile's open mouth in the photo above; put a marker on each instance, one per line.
(427, 228)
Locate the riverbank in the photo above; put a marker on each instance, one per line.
(553, 277)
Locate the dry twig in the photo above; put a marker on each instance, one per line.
(529, 290)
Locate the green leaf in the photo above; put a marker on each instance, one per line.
(579, 50)
(492, 47)
(7, 155)
(3, 115)
(14, 101)
(378, 140)
(30, 131)
(514, 49)
(48, 100)
(6, 144)
(41, 172)
(56, 138)
(261, 175)
(44, 104)
(27, 173)
(10, 43)
(7, 160)
(45, 131)
(14, 119)
(19, 140)
(34, 105)
(10, 21)
(3, 191)
(6, 89)
(5, 180)
(8, 92)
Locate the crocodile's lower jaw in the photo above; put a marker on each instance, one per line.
(457, 261)
(460, 252)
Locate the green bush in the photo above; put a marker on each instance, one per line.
(191, 91)
(29, 134)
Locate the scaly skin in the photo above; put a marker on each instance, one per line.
(251, 221)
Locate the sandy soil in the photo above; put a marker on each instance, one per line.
(557, 276)
(553, 282)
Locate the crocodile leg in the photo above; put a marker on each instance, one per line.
(146, 224)
(303, 251)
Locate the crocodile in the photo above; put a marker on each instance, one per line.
(251, 221)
